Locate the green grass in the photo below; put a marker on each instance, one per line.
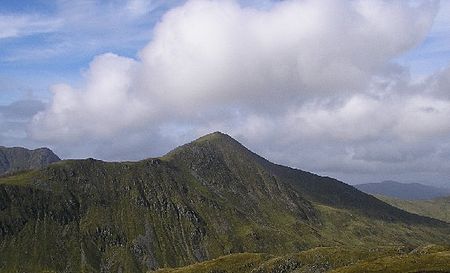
(234, 263)
(350, 228)
(22, 178)
(329, 259)
(438, 208)
(407, 263)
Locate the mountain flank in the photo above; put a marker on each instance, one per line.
(206, 199)
(20, 159)
(403, 191)
(438, 208)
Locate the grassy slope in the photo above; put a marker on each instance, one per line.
(330, 259)
(438, 208)
(21, 178)
(134, 216)
(204, 200)
(434, 261)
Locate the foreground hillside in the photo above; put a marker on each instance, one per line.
(206, 199)
(438, 208)
(19, 159)
(428, 259)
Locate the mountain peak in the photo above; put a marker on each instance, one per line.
(211, 143)
(218, 138)
(214, 137)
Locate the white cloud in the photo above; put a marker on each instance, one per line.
(219, 51)
(100, 108)
(309, 83)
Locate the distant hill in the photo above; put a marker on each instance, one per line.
(404, 191)
(19, 159)
(438, 208)
(206, 199)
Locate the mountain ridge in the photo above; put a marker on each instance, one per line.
(203, 200)
(322, 186)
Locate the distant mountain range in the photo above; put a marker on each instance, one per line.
(19, 159)
(205, 200)
(404, 191)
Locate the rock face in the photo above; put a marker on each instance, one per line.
(203, 200)
(19, 159)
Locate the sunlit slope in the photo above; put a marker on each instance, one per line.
(438, 208)
(330, 259)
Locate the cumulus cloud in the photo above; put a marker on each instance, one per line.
(100, 108)
(309, 83)
(220, 52)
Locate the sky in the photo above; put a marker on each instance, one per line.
(358, 90)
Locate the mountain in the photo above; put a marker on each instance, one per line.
(438, 208)
(19, 159)
(404, 191)
(203, 200)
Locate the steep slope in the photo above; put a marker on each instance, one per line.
(19, 159)
(321, 190)
(438, 208)
(404, 191)
(346, 215)
(203, 200)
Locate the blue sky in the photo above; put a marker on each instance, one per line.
(434, 52)
(280, 76)
(53, 41)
